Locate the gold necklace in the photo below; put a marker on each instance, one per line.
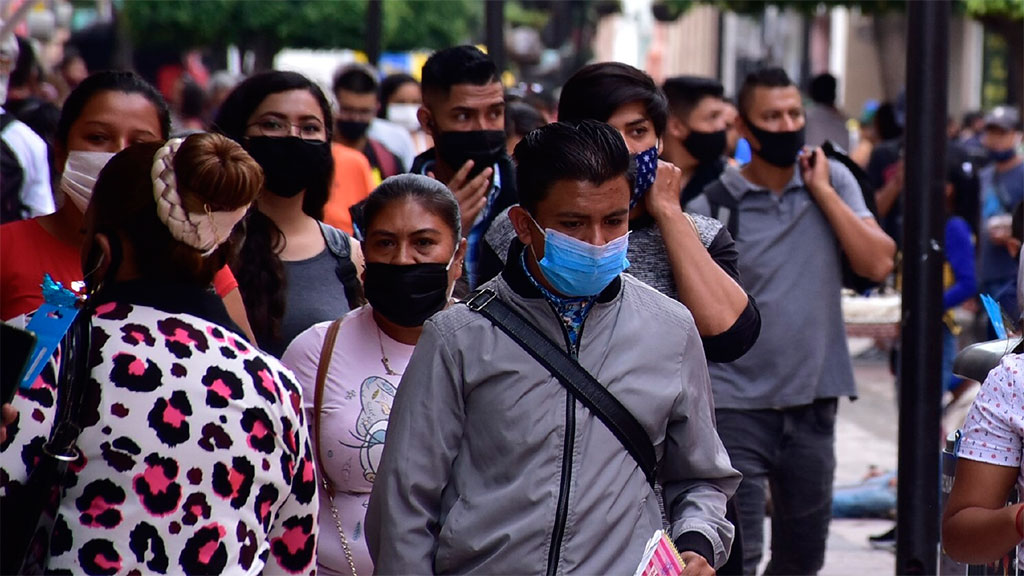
(383, 356)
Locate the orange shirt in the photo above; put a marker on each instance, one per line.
(27, 251)
(352, 183)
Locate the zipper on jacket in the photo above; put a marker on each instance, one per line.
(562, 510)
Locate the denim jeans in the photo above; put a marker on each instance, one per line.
(792, 451)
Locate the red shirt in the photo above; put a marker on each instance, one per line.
(27, 251)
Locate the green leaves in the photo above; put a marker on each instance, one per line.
(408, 24)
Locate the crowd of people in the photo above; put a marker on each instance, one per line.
(435, 325)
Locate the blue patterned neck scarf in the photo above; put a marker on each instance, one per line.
(572, 311)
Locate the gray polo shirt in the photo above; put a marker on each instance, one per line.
(789, 262)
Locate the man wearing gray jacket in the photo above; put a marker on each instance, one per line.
(490, 464)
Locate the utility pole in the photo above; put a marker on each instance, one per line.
(917, 534)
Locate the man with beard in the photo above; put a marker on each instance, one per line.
(464, 112)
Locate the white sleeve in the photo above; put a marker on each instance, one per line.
(36, 194)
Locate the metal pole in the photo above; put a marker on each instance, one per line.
(494, 11)
(917, 535)
(373, 31)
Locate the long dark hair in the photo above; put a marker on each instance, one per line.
(258, 267)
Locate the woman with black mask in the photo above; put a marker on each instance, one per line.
(294, 271)
(349, 369)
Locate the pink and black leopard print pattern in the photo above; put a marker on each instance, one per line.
(195, 455)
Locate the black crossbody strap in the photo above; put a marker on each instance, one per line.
(574, 377)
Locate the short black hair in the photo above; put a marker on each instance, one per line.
(589, 151)
(388, 86)
(886, 123)
(521, 118)
(110, 81)
(763, 78)
(456, 65)
(823, 89)
(356, 78)
(596, 91)
(684, 93)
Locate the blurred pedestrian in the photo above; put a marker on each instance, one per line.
(1002, 191)
(824, 120)
(401, 99)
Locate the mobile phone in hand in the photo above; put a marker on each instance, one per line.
(16, 346)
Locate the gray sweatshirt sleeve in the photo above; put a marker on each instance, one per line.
(696, 474)
(423, 437)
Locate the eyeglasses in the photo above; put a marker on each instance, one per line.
(279, 128)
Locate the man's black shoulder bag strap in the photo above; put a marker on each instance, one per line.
(574, 377)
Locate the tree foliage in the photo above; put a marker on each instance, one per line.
(1013, 9)
(407, 24)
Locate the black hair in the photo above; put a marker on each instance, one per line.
(257, 266)
(25, 65)
(763, 78)
(684, 93)
(823, 89)
(521, 118)
(428, 192)
(961, 173)
(971, 117)
(233, 118)
(589, 151)
(388, 86)
(356, 78)
(886, 123)
(192, 99)
(456, 65)
(110, 81)
(596, 91)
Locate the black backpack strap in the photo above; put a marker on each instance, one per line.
(724, 206)
(338, 243)
(580, 383)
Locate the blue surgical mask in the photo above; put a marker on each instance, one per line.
(646, 171)
(579, 269)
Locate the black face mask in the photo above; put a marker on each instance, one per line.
(483, 147)
(777, 148)
(351, 130)
(290, 165)
(406, 294)
(705, 146)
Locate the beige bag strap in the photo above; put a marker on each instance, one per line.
(318, 396)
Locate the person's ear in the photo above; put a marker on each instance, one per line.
(523, 224)
(744, 132)
(676, 129)
(426, 119)
(455, 271)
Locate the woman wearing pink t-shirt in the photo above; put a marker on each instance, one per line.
(978, 526)
(414, 254)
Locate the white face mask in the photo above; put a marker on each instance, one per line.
(80, 173)
(405, 116)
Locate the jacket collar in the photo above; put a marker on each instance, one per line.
(516, 278)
